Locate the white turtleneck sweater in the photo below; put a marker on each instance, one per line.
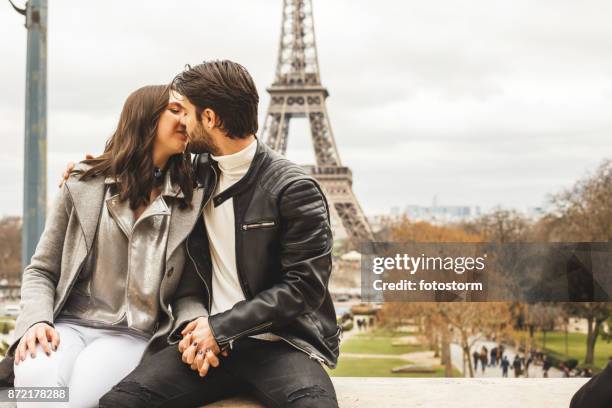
(220, 227)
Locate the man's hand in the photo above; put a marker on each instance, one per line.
(69, 168)
(66, 174)
(199, 346)
(41, 333)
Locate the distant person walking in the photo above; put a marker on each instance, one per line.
(476, 357)
(546, 366)
(516, 365)
(565, 369)
(493, 356)
(505, 363)
(484, 357)
(528, 361)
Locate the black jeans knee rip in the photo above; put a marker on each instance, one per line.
(130, 389)
(314, 391)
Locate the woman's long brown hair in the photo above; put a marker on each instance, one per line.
(128, 155)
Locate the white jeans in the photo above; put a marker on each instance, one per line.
(88, 360)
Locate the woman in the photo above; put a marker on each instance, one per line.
(110, 260)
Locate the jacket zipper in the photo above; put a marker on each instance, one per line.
(259, 326)
(255, 225)
(312, 355)
(195, 265)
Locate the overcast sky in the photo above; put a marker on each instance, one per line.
(486, 102)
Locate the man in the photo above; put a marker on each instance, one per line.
(262, 249)
(493, 354)
(505, 363)
(595, 393)
(517, 365)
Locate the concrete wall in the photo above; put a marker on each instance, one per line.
(445, 392)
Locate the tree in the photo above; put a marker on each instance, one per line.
(10, 249)
(468, 321)
(500, 225)
(595, 313)
(543, 317)
(583, 213)
(472, 320)
(411, 232)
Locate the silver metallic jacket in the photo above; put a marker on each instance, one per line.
(119, 284)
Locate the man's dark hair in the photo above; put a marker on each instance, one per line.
(225, 87)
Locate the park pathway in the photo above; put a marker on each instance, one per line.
(490, 372)
(426, 358)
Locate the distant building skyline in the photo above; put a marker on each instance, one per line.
(443, 214)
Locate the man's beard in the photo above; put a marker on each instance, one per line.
(201, 142)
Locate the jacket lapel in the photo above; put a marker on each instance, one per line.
(89, 204)
(87, 198)
(182, 222)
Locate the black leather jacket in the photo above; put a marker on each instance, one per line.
(283, 256)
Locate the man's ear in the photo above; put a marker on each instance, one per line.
(209, 118)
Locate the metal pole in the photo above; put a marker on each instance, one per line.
(35, 149)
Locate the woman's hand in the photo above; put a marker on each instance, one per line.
(41, 333)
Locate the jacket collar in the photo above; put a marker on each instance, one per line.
(168, 189)
(88, 197)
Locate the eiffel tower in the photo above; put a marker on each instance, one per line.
(297, 93)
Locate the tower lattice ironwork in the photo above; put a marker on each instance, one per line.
(297, 93)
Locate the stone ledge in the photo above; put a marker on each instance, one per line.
(355, 392)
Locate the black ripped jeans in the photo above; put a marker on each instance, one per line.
(275, 373)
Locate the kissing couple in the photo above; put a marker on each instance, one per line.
(166, 280)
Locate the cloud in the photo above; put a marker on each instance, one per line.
(466, 101)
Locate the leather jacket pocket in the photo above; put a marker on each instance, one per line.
(258, 225)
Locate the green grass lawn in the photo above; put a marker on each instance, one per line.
(576, 347)
(377, 367)
(382, 332)
(377, 342)
(6, 324)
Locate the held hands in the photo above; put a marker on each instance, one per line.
(41, 333)
(199, 347)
